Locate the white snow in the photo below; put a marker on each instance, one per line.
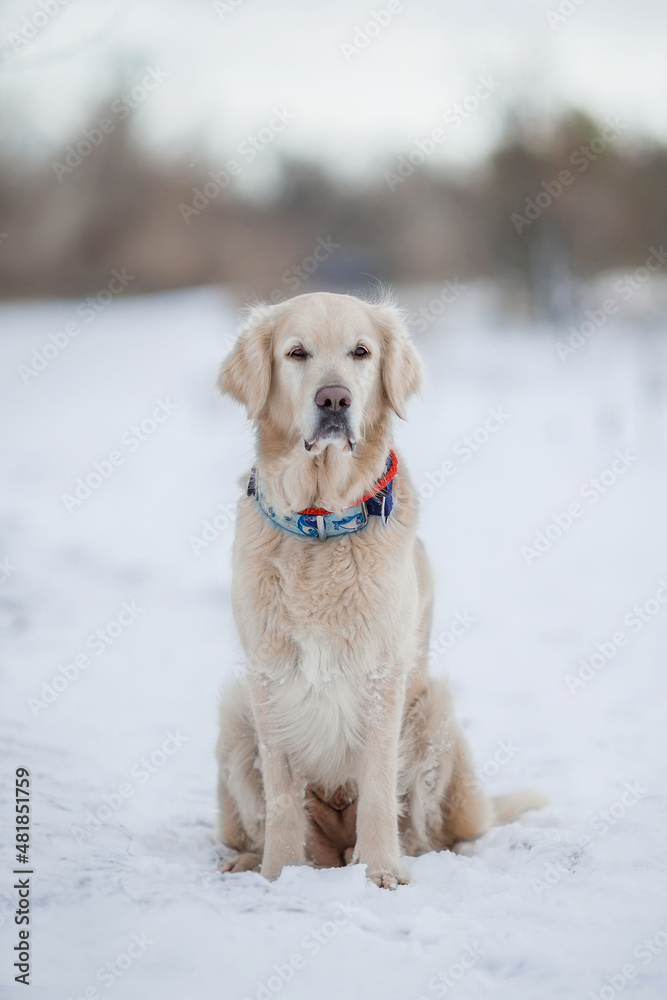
(556, 905)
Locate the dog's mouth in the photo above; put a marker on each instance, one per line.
(332, 429)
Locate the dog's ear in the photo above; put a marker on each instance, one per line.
(245, 373)
(401, 369)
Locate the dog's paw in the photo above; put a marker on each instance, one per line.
(387, 878)
(247, 862)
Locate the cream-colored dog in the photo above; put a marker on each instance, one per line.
(339, 747)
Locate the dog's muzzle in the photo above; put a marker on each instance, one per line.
(333, 404)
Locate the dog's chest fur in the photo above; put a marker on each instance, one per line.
(328, 643)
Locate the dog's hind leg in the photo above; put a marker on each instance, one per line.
(241, 812)
(442, 800)
(467, 811)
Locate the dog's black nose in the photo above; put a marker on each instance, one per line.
(333, 398)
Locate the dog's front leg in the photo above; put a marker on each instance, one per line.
(284, 793)
(377, 807)
(285, 836)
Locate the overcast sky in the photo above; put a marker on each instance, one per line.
(354, 108)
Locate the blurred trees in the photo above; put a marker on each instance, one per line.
(515, 218)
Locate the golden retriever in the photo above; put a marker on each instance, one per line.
(338, 747)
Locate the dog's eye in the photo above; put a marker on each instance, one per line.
(360, 351)
(298, 352)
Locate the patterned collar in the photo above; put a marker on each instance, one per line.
(314, 522)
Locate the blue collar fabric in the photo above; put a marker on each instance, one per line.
(327, 525)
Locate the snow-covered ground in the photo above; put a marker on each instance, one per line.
(116, 604)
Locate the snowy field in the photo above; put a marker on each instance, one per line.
(544, 485)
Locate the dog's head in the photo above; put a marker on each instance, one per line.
(322, 369)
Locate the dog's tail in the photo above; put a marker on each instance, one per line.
(508, 807)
